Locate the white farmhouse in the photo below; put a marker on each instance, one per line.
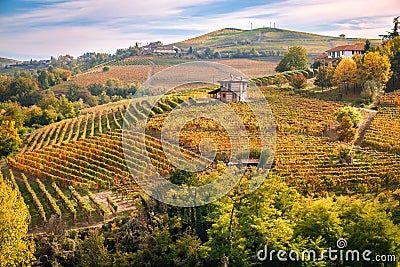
(233, 89)
(333, 54)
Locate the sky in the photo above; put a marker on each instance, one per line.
(38, 29)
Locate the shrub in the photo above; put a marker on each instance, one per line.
(298, 81)
(351, 112)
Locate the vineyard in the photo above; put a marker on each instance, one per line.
(383, 133)
(128, 74)
(131, 61)
(46, 199)
(390, 99)
(77, 169)
(251, 68)
(95, 121)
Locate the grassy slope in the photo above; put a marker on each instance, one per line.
(265, 39)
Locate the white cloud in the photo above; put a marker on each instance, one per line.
(79, 26)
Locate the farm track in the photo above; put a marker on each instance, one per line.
(365, 124)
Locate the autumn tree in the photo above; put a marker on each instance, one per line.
(9, 138)
(353, 113)
(324, 78)
(392, 47)
(347, 132)
(16, 249)
(298, 81)
(346, 73)
(376, 67)
(294, 59)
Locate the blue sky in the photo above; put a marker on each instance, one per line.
(40, 29)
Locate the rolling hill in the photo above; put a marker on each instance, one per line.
(6, 61)
(263, 39)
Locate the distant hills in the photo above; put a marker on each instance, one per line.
(263, 39)
(7, 61)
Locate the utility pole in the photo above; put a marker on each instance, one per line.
(251, 27)
(274, 25)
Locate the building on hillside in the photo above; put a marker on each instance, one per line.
(333, 54)
(342, 36)
(233, 89)
(160, 49)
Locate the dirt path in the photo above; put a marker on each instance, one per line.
(369, 115)
(151, 72)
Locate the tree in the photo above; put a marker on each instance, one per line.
(320, 219)
(345, 154)
(324, 78)
(371, 91)
(106, 68)
(43, 79)
(65, 108)
(370, 227)
(242, 222)
(392, 47)
(73, 91)
(92, 251)
(367, 46)
(16, 249)
(294, 59)
(9, 138)
(353, 113)
(278, 80)
(395, 31)
(298, 81)
(346, 72)
(347, 132)
(25, 91)
(376, 67)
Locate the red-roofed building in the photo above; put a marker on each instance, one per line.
(345, 51)
(333, 54)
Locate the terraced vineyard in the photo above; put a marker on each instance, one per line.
(383, 133)
(390, 99)
(46, 199)
(132, 61)
(94, 121)
(311, 164)
(297, 114)
(67, 162)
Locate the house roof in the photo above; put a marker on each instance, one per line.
(215, 91)
(221, 89)
(234, 79)
(323, 56)
(353, 47)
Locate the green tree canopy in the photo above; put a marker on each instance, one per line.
(294, 59)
